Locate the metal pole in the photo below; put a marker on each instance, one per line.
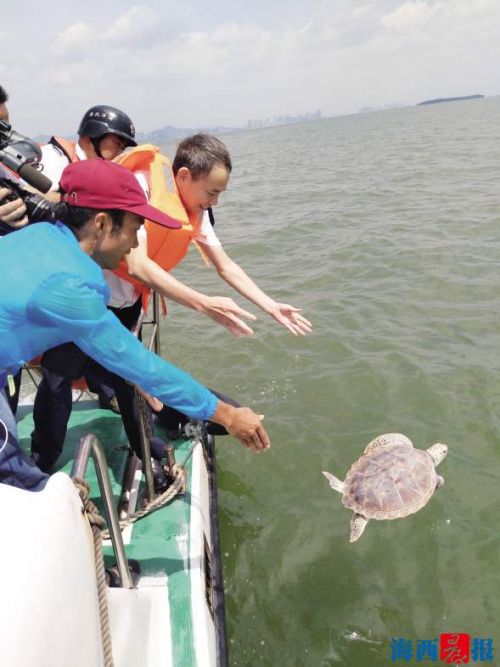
(156, 319)
(141, 402)
(88, 446)
(145, 446)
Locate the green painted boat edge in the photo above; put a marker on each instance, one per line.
(156, 539)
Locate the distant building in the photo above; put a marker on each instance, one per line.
(384, 107)
(284, 120)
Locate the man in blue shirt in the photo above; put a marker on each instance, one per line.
(52, 291)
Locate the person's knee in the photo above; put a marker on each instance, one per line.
(17, 470)
(57, 384)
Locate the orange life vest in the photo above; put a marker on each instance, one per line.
(66, 146)
(167, 247)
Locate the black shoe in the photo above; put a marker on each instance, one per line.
(109, 404)
(44, 463)
(160, 480)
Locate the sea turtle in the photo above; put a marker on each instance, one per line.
(390, 480)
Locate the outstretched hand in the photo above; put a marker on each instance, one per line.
(291, 319)
(243, 424)
(226, 312)
(247, 427)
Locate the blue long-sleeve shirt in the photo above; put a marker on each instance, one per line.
(51, 292)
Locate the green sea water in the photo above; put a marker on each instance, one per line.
(385, 229)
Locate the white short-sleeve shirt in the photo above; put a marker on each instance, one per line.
(54, 161)
(124, 293)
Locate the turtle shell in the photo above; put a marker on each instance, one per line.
(390, 482)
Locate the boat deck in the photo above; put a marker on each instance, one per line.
(160, 542)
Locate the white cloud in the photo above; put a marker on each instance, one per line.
(75, 38)
(444, 18)
(412, 13)
(363, 10)
(134, 26)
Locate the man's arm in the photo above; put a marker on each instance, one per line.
(78, 310)
(221, 309)
(234, 275)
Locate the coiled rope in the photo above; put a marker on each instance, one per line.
(97, 522)
(163, 499)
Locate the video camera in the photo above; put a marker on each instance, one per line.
(22, 156)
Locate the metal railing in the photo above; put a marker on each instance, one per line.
(142, 409)
(154, 339)
(89, 446)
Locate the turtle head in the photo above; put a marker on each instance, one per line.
(438, 452)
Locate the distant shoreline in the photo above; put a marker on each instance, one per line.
(440, 100)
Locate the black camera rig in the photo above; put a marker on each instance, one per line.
(22, 156)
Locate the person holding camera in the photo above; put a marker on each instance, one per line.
(13, 215)
(12, 212)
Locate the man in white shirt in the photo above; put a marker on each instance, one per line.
(104, 132)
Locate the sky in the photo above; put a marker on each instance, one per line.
(199, 64)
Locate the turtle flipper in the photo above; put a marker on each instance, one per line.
(388, 440)
(335, 483)
(358, 524)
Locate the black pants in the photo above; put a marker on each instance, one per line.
(98, 385)
(53, 402)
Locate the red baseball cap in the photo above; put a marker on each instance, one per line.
(101, 184)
